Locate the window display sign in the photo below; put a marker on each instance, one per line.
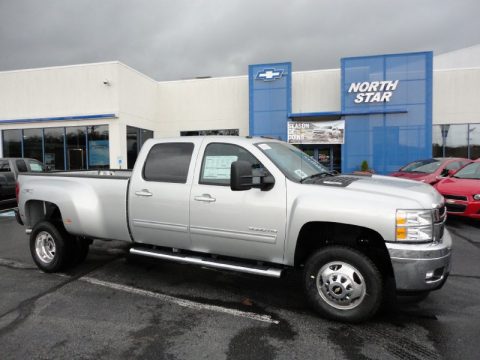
(325, 132)
(98, 152)
(218, 167)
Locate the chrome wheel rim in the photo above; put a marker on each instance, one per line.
(45, 247)
(341, 285)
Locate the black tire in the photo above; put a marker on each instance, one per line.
(346, 272)
(55, 256)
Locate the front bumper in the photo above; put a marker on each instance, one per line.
(421, 267)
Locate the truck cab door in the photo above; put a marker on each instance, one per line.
(244, 224)
(159, 193)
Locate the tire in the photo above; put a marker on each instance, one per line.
(49, 246)
(350, 289)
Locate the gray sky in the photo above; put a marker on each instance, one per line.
(180, 39)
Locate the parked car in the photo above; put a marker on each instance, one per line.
(250, 205)
(462, 191)
(431, 171)
(9, 170)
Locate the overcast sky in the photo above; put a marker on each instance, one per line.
(181, 39)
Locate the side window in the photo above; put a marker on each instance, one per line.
(21, 166)
(453, 165)
(168, 162)
(35, 166)
(218, 159)
(4, 166)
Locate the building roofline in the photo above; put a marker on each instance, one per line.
(62, 66)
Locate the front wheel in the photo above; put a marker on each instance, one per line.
(343, 284)
(49, 247)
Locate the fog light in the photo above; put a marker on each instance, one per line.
(476, 197)
(429, 275)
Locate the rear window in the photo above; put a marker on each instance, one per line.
(21, 166)
(168, 162)
(4, 166)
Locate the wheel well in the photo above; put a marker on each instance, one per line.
(315, 235)
(37, 210)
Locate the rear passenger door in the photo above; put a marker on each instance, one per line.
(159, 194)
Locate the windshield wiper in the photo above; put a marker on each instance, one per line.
(322, 174)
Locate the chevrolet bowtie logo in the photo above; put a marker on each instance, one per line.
(269, 74)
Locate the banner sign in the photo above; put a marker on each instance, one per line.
(325, 132)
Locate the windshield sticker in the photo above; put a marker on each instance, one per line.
(300, 173)
(264, 147)
(218, 167)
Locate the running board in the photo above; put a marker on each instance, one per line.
(212, 263)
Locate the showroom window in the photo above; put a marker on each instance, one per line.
(459, 140)
(12, 143)
(98, 147)
(135, 139)
(33, 144)
(61, 148)
(54, 139)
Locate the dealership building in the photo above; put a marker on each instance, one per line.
(385, 109)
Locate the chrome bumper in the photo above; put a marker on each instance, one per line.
(422, 267)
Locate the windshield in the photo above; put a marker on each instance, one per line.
(295, 164)
(422, 166)
(471, 171)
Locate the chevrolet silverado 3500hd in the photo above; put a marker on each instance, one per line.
(254, 205)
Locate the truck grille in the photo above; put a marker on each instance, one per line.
(455, 197)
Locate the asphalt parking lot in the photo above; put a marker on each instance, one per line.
(113, 308)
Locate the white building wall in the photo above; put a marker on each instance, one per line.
(58, 91)
(138, 105)
(202, 104)
(76, 90)
(458, 59)
(456, 96)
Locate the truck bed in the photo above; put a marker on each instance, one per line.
(92, 203)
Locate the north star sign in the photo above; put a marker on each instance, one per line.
(269, 74)
(374, 91)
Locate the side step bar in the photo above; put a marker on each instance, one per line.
(213, 263)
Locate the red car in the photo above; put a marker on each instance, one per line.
(431, 171)
(462, 191)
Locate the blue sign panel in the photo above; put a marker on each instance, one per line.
(270, 88)
(399, 85)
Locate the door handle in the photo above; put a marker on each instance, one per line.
(205, 198)
(144, 193)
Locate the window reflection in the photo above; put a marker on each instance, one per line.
(54, 148)
(12, 143)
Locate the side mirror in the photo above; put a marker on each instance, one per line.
(242, 178)
(452, 172)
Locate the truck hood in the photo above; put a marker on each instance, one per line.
(418, 194)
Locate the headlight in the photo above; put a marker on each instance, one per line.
(476, 197)
(414, 226)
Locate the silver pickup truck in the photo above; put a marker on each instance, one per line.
(253, 205)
